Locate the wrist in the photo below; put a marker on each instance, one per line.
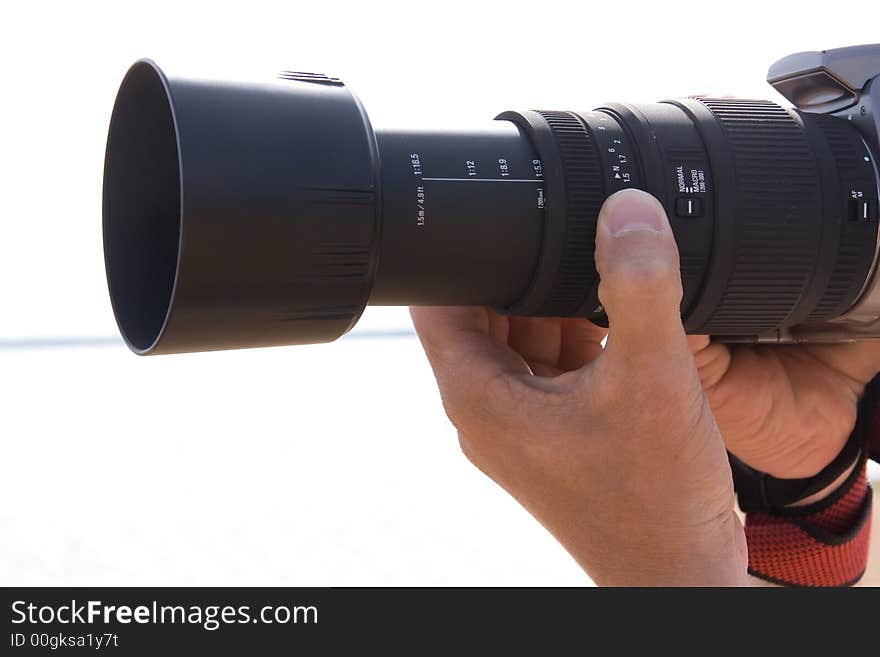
(710, 555)
(761, 492)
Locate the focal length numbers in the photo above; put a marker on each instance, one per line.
(499, 170)
(472, 170)
(502, 164)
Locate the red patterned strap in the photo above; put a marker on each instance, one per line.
(825, 544)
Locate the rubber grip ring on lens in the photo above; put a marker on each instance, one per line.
(778, 211)
(566, 268)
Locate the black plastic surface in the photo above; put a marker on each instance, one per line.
(272, 223)
(259, 214)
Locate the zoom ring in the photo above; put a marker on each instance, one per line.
(778, 215)
(580, 170)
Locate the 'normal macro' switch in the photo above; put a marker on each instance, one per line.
(687, 206)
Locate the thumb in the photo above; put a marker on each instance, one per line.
(640, 282)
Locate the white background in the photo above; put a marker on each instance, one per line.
(327, 465)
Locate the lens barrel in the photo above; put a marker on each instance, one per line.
(260, 214)
(774, 211)
(462, 216)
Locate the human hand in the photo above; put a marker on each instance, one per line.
(786, 410)
(614, 451)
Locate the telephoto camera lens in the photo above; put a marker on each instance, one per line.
(258, 214)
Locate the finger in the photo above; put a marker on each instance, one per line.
(537, 340)
(640, 284)
(499, 326)
(698, 342)
(581, 343)
(713, 362)
(461, 350)
(712, 359)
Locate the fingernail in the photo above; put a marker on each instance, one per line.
(633, 210)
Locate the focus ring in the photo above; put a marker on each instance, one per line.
(778, 211)
(580, 171)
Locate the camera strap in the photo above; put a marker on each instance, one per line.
(759, 491)
(821, 544)
(824, 547)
